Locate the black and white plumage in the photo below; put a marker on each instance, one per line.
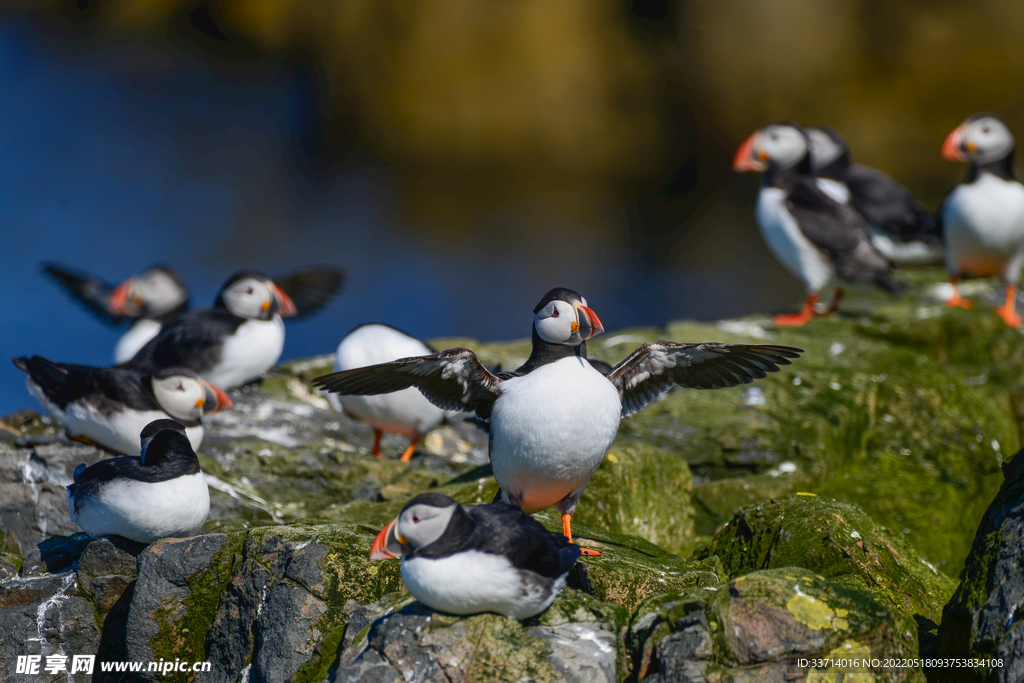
(553, 419)
(110, 406)
(156, 295)
(476, 558)
(901, 228)
(406, 412)
(158, 494)
(230, 343)
(815, 237)
(983, 217)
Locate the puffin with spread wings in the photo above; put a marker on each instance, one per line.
(553, 419)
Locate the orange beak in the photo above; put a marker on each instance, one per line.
(119, 299)
(388, 544)
(216, 398)
(951, 147)
(745, 160)
(287, 305)
(590, 324)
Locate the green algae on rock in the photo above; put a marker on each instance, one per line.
(759, 625)
(836, 540)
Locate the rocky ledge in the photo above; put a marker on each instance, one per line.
(848, 508)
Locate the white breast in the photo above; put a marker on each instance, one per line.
(550, 430)
(782, 235)
(134, 339)
(984, 227)
(117, 429)
(252, 350)
(404, 412)
(471, 582)
(145, 512)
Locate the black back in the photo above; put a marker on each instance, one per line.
(168, 456)
(501, 529)
(193, 340)
(111, 388)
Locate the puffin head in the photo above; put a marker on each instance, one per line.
(562, 317)
(152, 293)
(186, 396)
(423, 520)
(162, 436)
(249, 294)
(827, 146)
(781, 145)
(981, 139)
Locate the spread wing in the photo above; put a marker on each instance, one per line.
(88, 290)
(452, 380)
(657, 366)
(310, 290)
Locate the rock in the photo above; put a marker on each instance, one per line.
(836, 540)
(759, 625)
(576, 640)
(982, 620)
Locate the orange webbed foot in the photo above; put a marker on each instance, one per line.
(590, 552)
(1009, 316)
(957, 301)
(792, 319)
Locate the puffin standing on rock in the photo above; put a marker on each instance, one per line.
(553, 419)
(157, 494)
(108, 407)
(983, 217)
(230, 343)
(476, 558)
(901, 229)
(815, 237)
(404, 412)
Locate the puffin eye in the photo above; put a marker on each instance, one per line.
(775, 136)
(181, 387)
(415, 519)
(249, 290)
(555, 314)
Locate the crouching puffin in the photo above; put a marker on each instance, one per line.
(230, 343)
(476, 558)
(553, 419)
(815, 237)
(983, 217)
(157, 494)
(108, 407)
(901, 229)
(404, 412)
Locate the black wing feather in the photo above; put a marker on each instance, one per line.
(452, 380)
(192, 340)
(889, 206)
(64, 383)
(653, 369)
(506, 530)
(311, 289)
(88, 290)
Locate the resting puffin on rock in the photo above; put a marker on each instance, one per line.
(230, 343)
(110, 406)
(983, 217)
(158, 494)
(815, 237)
(476, 558)
(404, 412)
(901, 229)
(553, 419)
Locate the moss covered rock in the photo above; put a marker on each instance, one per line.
(837, 541)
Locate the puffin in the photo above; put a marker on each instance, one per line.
(157, 494)
(901, 228)
(983, 216)
(230, 343)
(108, 407)
(476, 558)
(815, 237)
(404, 412)
(157, 294)
(553, 419)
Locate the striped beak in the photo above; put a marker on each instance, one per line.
(215, 399)
(286, 306)
(120, 299)
(589, 324)
(951, 149)
(746, 159)
(389, 543)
